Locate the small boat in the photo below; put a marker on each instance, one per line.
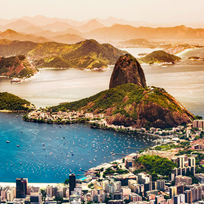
(7, 141)
(17, 145)
(15, 80)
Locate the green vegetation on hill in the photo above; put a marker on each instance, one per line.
(165, 147)
(106, 99)
(130, 104)
(154, 165)
(11, 102)
(85, 54)
(158, 57)
(17, 66)
(13, 48)
(115, 169)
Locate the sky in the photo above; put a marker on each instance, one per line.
(136, 10)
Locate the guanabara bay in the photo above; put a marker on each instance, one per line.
(101, 102)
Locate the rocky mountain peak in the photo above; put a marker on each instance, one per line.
(127, 70)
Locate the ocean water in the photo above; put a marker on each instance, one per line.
(185, 81)
(48, 153)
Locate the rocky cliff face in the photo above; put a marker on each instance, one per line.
(127, 70)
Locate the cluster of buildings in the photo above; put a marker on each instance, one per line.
(99, 121)
(60, 117)
(116, 189)
(21, 193)
(135, 189)
(198, 124)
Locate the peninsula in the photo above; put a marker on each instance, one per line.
(128, 102)
(16, 66)
(10, 102)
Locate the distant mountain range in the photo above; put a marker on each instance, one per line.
(57, 26)
(85, 54)
(63, 38)
(116, 33)
(91, 25)
(18, 25)
(13, 35)
(126, 32)
(98, 29)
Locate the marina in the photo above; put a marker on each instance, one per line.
(49, 153)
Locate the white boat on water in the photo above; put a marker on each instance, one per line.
(15, 80)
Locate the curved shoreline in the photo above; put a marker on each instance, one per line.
(6, 111)
(13, 111)
(100, 127)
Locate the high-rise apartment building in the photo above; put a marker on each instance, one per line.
(72, 183)
(21, 187)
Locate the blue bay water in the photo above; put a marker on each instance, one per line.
(54, 163)
(185, 81)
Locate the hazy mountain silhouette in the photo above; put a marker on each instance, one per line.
(41, 20)
(67, 38)
(32, 29)
(57, 26)
(91, 25)
(125, 32)
(18, 25)
(111, 21)
(48, 33)
(2, 28)
(13, 35)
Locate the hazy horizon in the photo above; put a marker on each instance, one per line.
(157, 12)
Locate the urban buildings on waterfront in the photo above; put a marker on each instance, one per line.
(125, 181)
(72, 183)
(21, 187)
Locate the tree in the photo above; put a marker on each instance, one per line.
(190, 174)
(98, 174)
(59, 199)
(43, 194)
(126, 201)
(107, 199)
(66, 181)
(90, 185)
(85, 192)
(166, 197)
(198, 117)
